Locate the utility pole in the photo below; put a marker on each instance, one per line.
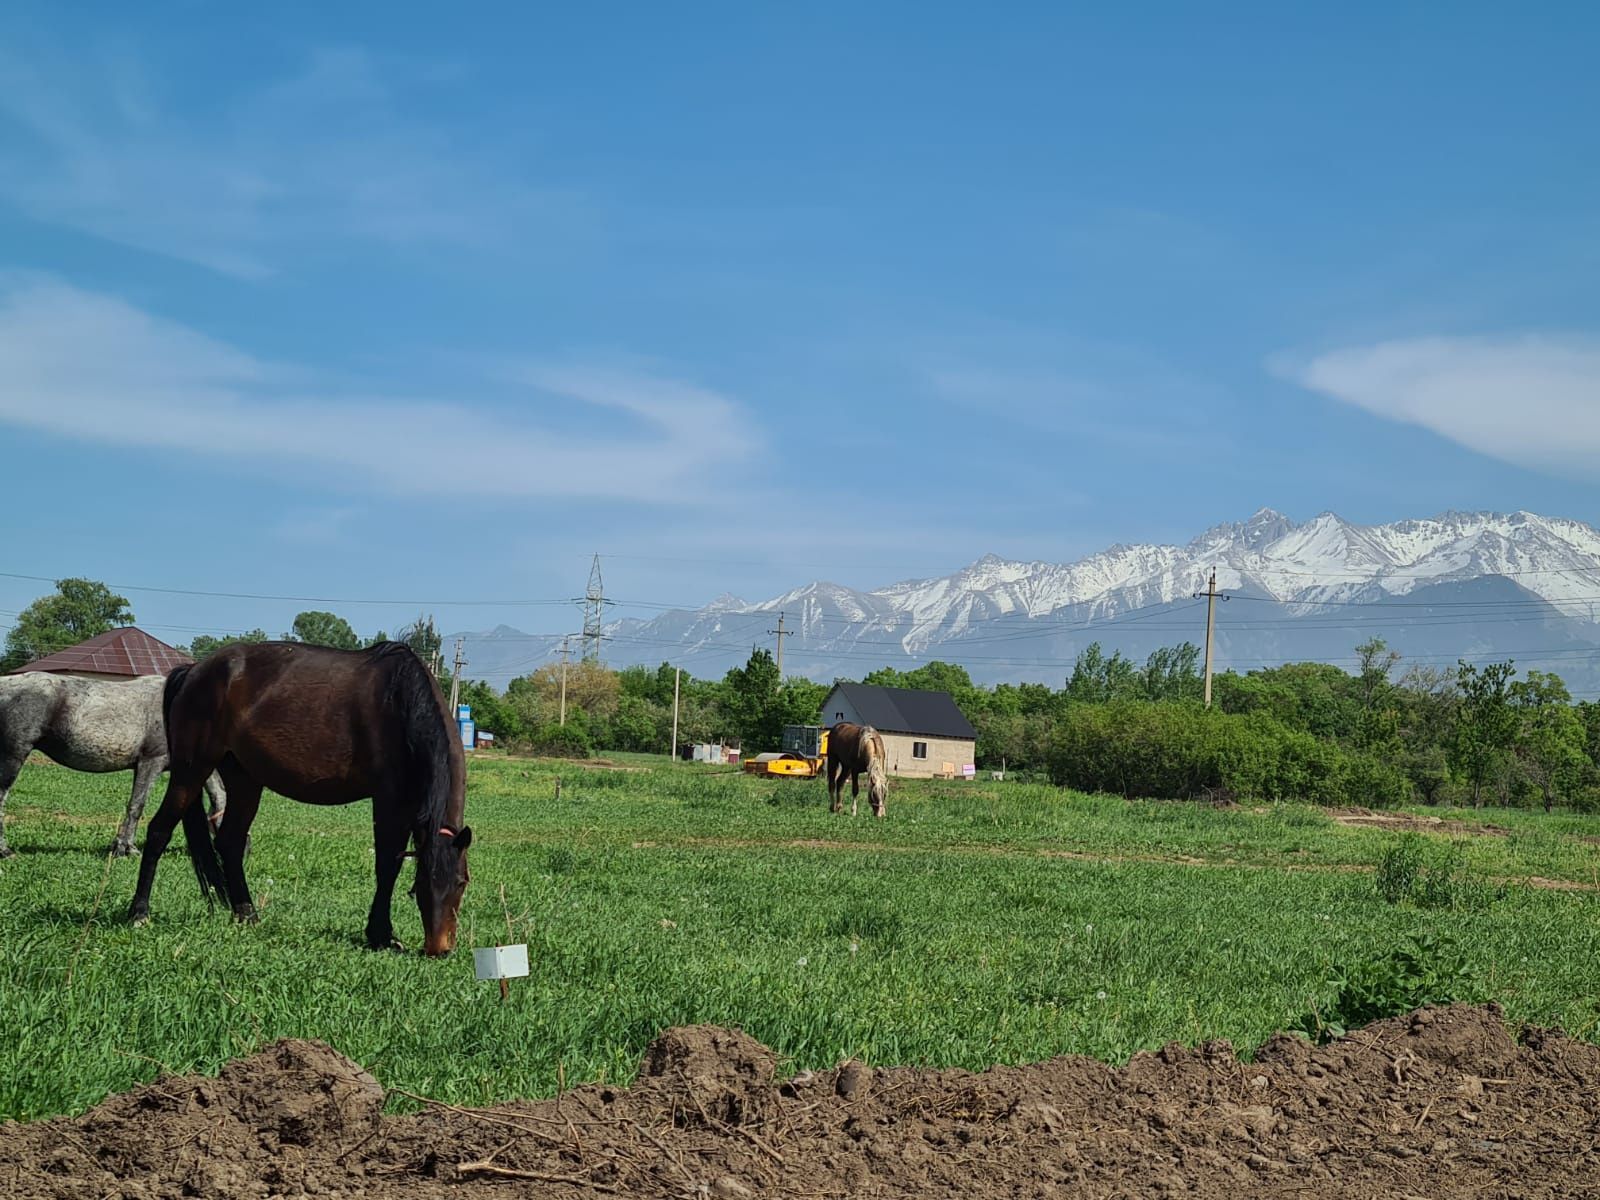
(677, 675)
(564, 653)
(1211, 594)
(455, 681)
(782, 633)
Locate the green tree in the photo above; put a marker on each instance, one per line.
(1428, 697)
(750, 702)
(1372, 678)
(1096, 679)
(639, 725)
(1313, 697)
(524, 698)
(935, 676)
(1378, 723)
(800, 701)
(1486, 724)
(79, 609)
(324, 629)
(426, 641)
(1428, 768)
(654, 686)
(492, 713)
(206, 644)
(592, 688)
(1550, 737)
(1173, 673)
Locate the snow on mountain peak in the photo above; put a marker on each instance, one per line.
(1304, 563)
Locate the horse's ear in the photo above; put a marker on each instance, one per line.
(464, 838)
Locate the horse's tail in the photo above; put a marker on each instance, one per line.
(196, 828)
(203, 852)
(169, 693)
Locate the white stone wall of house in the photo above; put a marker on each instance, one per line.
(917, 756)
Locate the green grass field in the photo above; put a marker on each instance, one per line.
(981, 923)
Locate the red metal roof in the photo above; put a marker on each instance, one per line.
(126, 651)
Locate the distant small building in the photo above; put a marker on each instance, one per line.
(124, 653)
(717, 753)
(925, 734)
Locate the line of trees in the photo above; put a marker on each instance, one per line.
(80, 609)
(631, 709)
(314, 627)
(1385, 733)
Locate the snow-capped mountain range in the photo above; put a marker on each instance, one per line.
(1472, 585)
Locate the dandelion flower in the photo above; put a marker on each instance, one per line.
(1099, 995)
(801, 961)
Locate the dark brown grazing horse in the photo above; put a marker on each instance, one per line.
(323, 727)
(852, 749)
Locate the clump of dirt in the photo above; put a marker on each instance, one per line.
(1366, 818)
(1444, 1101)
(708, 1074)
(253, 1130)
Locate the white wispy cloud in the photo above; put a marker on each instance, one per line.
(91, 367)
(1532, 400)
(87, 142)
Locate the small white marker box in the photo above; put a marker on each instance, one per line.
(501, 962)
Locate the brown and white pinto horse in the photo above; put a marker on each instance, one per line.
(853, 749)
(322, 727)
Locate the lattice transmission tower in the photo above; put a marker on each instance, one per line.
(594, 614)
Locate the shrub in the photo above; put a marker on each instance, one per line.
(1374, 783)
(562, 741)
(1430, 875)
(1421, 970)
(1398, 869)
(1179, 751)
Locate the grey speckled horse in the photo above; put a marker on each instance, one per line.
(89, 725)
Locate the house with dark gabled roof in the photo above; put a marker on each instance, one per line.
(124, 653)
(925, 734)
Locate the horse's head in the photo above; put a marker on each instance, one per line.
(442, 878)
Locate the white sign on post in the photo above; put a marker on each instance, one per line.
(501, 962)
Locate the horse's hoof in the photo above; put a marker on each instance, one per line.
(138, 916)
(245, 914)
(389, 943)
(119, 850)
(7, 852)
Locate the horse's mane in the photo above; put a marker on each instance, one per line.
(414, 695)
(877, 767)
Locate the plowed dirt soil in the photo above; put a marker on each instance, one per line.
(1445, 1102)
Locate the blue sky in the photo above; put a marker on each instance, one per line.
(375, 301)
